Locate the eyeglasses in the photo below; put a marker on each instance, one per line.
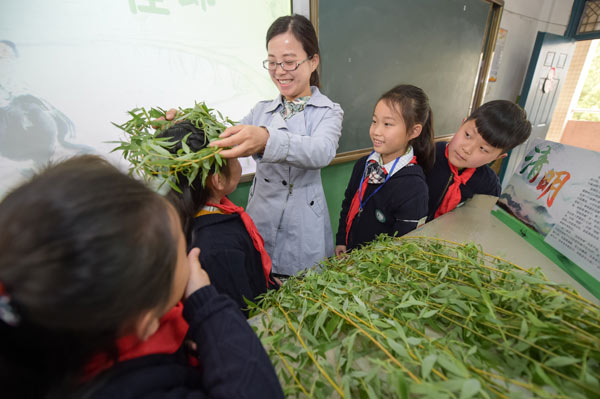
(285, 65)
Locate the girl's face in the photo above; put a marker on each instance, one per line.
(291, 84)
(388, 132)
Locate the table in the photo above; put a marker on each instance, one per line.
(474, 222)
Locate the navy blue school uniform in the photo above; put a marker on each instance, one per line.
(229, 256)
(233, 362)
(483, 181)
(394, 210)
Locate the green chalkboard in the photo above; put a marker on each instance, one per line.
(367, 47)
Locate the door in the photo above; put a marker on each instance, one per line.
(545, 76)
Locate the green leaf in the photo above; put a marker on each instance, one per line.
(427, 365)
(451, 365)
(320, 320)
(184, 145)
(530, 279)
(470, 388)
(173, 185)
(561, 361)
(427, 314)
(159, 149)
(399, 349)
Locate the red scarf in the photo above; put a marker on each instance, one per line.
(453, 196)
(229, 207)
(355, 204)
(166, 340)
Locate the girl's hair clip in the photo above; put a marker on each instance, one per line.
(7, 312)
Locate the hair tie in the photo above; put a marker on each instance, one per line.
(7, 312)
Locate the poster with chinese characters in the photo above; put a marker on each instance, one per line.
(556, 192)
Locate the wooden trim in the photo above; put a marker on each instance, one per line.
(247, 178)
(491, 35)
(348, 156)
(314, 14)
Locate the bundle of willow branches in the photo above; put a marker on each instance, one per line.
(427, 318)
(149, 155)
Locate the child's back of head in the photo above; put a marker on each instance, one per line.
(502, 124)
(192, 196)
(85, 249)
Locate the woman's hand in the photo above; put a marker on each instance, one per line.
(246, 140)
(340, 250)
(198, 276)
(169, 116)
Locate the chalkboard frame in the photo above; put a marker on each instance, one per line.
(492, 27)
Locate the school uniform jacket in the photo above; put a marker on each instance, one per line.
(483, 181)
(394, 210)
(229, 256)
(233, 362)
(286, 200)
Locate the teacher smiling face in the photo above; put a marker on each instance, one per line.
(290, 66)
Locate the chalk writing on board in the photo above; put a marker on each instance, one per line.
(151, 6)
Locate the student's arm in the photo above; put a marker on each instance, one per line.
(340, 238)
(234, 362)
(228, 274)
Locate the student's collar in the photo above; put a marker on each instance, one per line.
(402, 161)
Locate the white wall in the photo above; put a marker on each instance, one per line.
(301, 7)
(80, 65)
(523, 19)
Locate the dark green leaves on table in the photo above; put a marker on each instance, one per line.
(149, 155)
(426, 318)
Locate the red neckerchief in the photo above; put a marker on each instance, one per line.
(229, 207)
(166, 340)
(453, 196)
(355, 204)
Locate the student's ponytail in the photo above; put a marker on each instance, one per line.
(423, 146)
(413, 104)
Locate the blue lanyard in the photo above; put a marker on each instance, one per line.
(362, 179)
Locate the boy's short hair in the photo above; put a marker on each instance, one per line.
(503, 124)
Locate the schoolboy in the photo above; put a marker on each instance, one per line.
(461, 166)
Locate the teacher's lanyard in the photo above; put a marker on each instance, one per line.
(362, 179)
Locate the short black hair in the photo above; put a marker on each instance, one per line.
(192, 196)
(503, 124)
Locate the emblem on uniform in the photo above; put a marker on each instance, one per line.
(380, 216)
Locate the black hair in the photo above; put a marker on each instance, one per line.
(304, 31)
(85, 251)
(193, 196)
(413, 104)
(503, 124)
